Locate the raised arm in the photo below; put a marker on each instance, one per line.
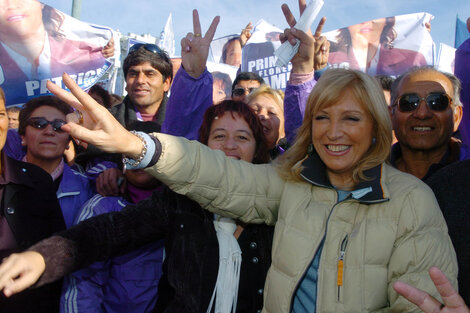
(191, 91)
(95, 239)
(312, 56)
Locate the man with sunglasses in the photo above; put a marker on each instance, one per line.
(244, 84)
(425, 111)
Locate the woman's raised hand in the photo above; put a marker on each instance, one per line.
(93, 123)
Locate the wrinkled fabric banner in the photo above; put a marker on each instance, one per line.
(384, 46)
(38, 43)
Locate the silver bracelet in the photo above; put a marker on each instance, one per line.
(135, 162)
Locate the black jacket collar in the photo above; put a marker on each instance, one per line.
(314, 172)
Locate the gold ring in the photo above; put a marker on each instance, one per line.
(79, 116)
(197, 35)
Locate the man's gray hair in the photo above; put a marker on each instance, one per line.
(456, 86)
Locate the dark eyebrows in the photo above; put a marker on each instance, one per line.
(238, 130)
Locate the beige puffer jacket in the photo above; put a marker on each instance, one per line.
(394, 232)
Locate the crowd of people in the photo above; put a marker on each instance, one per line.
(344, 193)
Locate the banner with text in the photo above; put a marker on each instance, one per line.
(258, 55)
(42, 43)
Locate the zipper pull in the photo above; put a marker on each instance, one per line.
(340, 269)
(342, 252)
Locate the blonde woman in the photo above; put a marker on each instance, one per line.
(268, 104)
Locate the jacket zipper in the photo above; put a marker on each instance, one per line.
(340, 279)
(316, 250)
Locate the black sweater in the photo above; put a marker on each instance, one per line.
(451, 187)
(191, 247)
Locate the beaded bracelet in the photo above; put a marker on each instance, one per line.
(135, 162)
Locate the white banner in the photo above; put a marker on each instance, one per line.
(38, 43)
(384, 46)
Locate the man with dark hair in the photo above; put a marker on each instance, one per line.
(386, 82)
(148, 73)
(244, 84)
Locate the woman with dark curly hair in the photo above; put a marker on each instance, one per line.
(212, 264)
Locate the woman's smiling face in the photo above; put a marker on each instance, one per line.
(231, 134)
(342, 134)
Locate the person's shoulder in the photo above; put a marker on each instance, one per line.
(458, 173)
(402, 184)
(116, 108)
(394, 175)
(99, 204)
(29, 169)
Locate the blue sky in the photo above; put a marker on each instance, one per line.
(149, 16)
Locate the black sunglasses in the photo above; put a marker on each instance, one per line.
(41, 123)
(149, 47)
(241, 91)
(436, 101)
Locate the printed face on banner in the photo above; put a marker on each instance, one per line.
(20, 19)
(232, 53)
(380, 47)
(38, 43)
(367, 33)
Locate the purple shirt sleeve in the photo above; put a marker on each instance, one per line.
(295, 100)
(189, 99)
(462, 71)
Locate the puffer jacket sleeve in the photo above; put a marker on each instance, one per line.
(232, 188)
(422, 242)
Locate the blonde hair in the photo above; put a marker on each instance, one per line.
(265, 90)
(330, 90)
(2, 96)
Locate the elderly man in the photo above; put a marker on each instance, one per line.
(425, 111)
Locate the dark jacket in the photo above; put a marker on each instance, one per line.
(191, 248)
(32, 211)
(124, 113)
(456, 151)
(450, 185)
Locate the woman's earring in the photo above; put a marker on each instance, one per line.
(374, 140)
(310, 149)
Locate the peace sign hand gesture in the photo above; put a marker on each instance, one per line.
(195, 48)
(453, 302)
(310, 52)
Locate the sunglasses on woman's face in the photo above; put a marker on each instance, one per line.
(436, 101)
(41, 123)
